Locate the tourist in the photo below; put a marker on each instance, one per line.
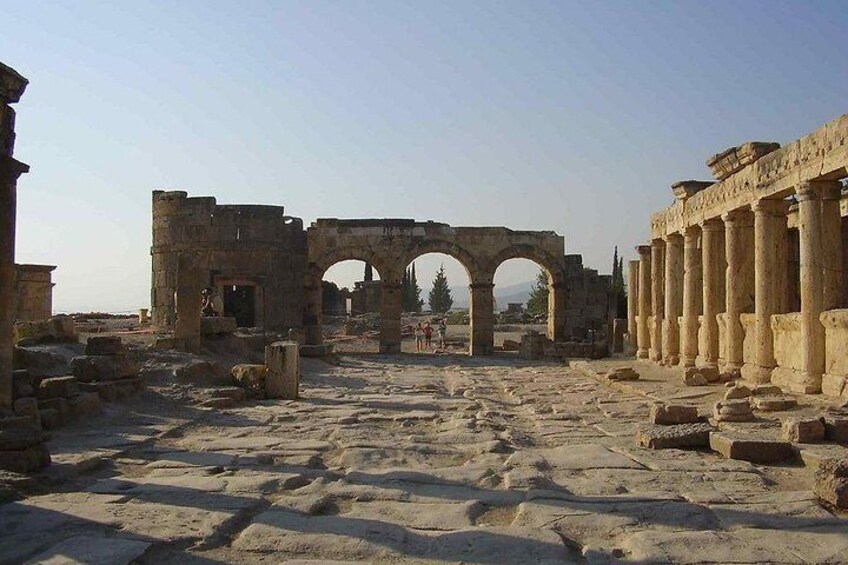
(207, 303)
(428, 335)
(419, 338)
(443, 330)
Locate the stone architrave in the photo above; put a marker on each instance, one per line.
(712, 253)
(188, 301)
(673, 299)
(282, 370)
(482, 319)
(390, 311)
(692, 296)
(632, 304)
(12, 86)
(769, 262)
(657, 298)
(643, 334)
(739, 282)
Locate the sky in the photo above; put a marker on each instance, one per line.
(567, 116)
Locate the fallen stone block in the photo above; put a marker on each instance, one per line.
(710, 374)
(50, 418)
(679, 436)
(236, 393)
(126, 388)
(89, 368)
(809, 430)
(60, 405)
(219, 402)
(251, 378)
(773, 403)
(321, 350)
(622, 374)
(749, 449)
(831, 483)
(729, 376)
(27, 407)
(25, 460)
(17, 437)
(22, 383)
(58, 387)
(669, 414)
(104, 345)
(106, 390)
(694, 379)
(767, 390)
(59, 329)
(84, 404)
(737, 410)
(282, 376)
(738, 391)
(836, 427)
(511, 345)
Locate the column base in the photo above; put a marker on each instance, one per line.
(794, 380)
(655, 355)
(478, 349)
(756, 374)
(642, 354)
(671, 361)
(687, 361)
(702, 361)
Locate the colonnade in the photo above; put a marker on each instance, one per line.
(690, 282)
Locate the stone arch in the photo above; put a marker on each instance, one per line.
(321, 264)
(556, 282)
(465, 258)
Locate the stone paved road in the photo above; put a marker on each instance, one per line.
(427, 460)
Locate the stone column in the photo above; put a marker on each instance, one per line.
(673, 299)
(770, 288)
(632, 304)
(692, 295)
(190, 283)
(712, 261)
(482, 318)
(657, 298)
(390, 312)
(643, 336)
(810, 230)
(556, 311)
(739, 282)
(12, 86)
(831, 193)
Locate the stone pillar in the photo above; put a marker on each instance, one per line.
(810, 223)
(282, 370)
(712, 261)
(12, 86)
(556, 311)
(313, 328)
(831, 193)
(770, 288)
(632, 304)
(190, 284)
(673, 299)
(643, 336)
(692, 295)
(739, 282)
(482, 314)
(390, 312)
(657, 298)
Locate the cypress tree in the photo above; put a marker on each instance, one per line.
(440, 295)
(538, 302)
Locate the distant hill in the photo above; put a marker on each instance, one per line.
(504, 294)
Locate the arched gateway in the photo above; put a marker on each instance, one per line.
(391, 244)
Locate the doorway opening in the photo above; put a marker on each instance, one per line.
(240, 303)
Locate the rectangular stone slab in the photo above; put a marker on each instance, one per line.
(749, 449)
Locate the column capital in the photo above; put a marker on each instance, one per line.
(644, 251)
(770, 207)
(673, 239)
(713, 224)
(819, 189)
(740, 217)
(11, 169)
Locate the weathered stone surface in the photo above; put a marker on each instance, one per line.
(104, 345)
(773, 403)
(751, 449)
(84, 404)
(218, 325)
(60, 405)
(282, 376)
(93, 550)
(58, 387)
(831, 483)
(316, 350)
(694, 379)
(737, 410)
(89, 368)
(19, 437)
(511, 345)
(737, 158)
(12, 85)
(50, 418)
(25, 460)
(685, 188)
(622, 374)
(22, 384)
(738, 391)
(810, 430)
(106, 390)
(27, 407)
(59, 329)
(680, 436)
(836, 427)
(710, 374)
(767, 390)
(666, 414)
(251, 378)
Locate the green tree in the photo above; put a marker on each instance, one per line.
(415, 300)
(537, 305)
(440, 295)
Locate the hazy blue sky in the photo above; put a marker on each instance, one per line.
(569, 116)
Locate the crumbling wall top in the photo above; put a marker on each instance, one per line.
(12, 84)
(737, 158)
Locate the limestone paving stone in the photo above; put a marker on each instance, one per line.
(831, 482)
(680, 436)
(104, 345)
(93, 550)
(755, 450)
(667, 414)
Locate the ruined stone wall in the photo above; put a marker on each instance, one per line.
(235, 245)
(587, 296)
(34, 292)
